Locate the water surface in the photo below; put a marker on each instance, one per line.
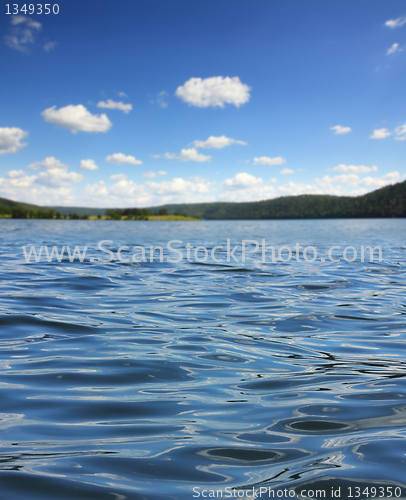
(146, 380)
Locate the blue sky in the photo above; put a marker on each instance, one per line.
(140, 103)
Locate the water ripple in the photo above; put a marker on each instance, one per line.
(144, 380)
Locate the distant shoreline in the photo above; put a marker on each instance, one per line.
(106, 218)
(386, 202)
(170, 218)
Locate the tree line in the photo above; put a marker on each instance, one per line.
(389, 201)
(137, 213)
(20, 212)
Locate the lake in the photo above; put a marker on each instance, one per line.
(168, 378)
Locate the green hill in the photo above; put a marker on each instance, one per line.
(389, 201)
(4, 202)
(20, 210)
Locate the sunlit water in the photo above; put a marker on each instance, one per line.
(146, 380)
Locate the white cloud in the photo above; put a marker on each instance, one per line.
(376, 183)
(242, 181)
(17, 20)
(22, 33)
(383, 133)
(328, 184)
(126, 189)
(88, 165)
(15, 183)
(122, 94)
(48, 46)
(396, 23)
(265, 160)
(53, 174)
(380, 133)
(121, 159)
(242, 187)
(10, 138)
(246, 187)
(217, 142)
(26, 188)
(350, 179)
(179, 186)
(393, 49)
(297, 188)
(249, 188)
(192, 155)
(53, 185)
(286, 171)
(56, 173)
(161, 99)
(76, 118)
(185, 155)
(214, 91)
(168, 156)
(58, 178)
(152, 175)
(118, 177)
(401, 132)
(353, 169)
(109, 104)
(12, 174)
(94, 193)
(339, 130)
(50, 163)
(126, 193)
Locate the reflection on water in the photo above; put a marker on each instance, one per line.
(144, 380)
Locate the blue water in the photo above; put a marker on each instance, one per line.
(146, 380)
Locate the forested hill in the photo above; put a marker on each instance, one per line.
(4, 202)
(389, 201)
